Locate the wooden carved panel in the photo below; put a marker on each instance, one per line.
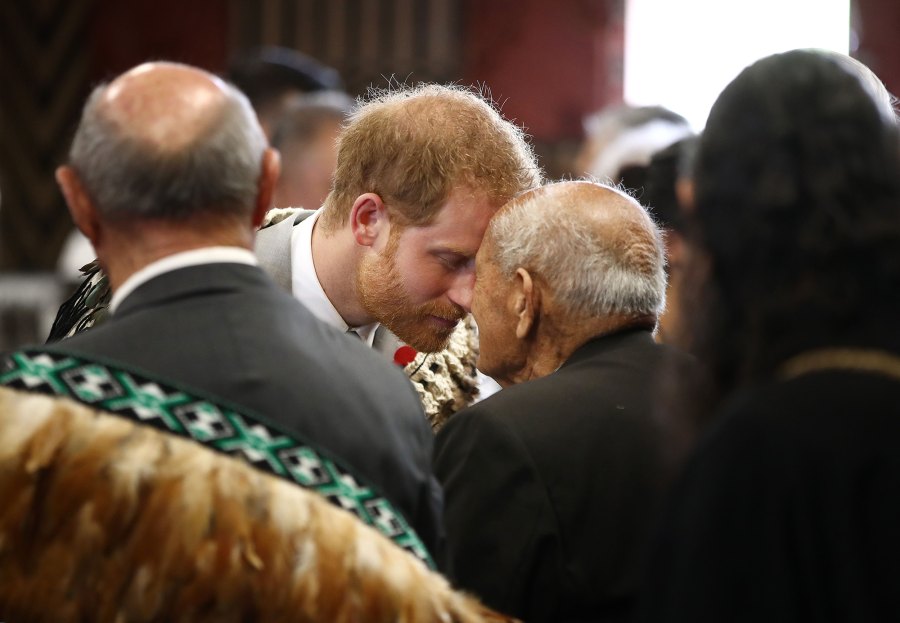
(368, 41)
(43, 69)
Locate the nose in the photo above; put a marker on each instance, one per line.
(460, 293)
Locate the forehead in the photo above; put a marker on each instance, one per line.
(460, 223)
(490, 278)
(485, 253)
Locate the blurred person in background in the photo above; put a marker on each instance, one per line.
(666, 189)
(620, 141)
(273, 77)
(306, 136)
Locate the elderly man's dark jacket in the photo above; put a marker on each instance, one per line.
(551, 487)
(228, 330)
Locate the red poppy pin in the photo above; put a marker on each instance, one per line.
(404, 355)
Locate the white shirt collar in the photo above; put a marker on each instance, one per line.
(305, 283)
(195, 257)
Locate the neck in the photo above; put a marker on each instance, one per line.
(126, 249)
(554, 342)
(543, 359)
(336, 258)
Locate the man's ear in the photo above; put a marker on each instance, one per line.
(268, 178)
(526, 303)
(369, 220)
(81, 208)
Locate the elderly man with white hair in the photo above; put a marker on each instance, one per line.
(551, 485)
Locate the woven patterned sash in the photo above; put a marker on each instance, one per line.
(179, 411)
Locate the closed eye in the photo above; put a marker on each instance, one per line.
(456, 261)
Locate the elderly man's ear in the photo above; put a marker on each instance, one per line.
(81, 208)
(526, 303)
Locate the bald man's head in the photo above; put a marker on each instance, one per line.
(168, 141)
(594, 246)
(165, 106)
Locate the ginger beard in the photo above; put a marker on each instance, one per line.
(385, 298)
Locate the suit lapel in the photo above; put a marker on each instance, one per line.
(273, 248)
(386, 342)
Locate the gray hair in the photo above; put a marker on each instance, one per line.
(126, 177)
(589, 273)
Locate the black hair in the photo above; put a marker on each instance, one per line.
(666, 167)
(266, 73)
(797, 216)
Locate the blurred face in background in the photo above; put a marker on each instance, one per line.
(307, 169)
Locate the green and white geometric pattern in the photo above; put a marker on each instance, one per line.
(136, 397)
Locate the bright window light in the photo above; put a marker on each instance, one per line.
(682, 53)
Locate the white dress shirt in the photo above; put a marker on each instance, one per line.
(305, 282)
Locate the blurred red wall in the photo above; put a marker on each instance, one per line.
(125, 34)
(876, 24)
(548, 63)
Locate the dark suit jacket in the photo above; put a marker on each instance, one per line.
(788, 512)
(551, 486)
(228, 330)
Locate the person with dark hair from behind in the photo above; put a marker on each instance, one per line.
(666, 187)
(552, 485)
(273, 77)
(306, 136)
(788, 510)
(169, 177)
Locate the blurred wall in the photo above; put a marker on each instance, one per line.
(125, 34)
(371, 42)
(876, 27)
(65, 47)
(44, 61)
(548, 62)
